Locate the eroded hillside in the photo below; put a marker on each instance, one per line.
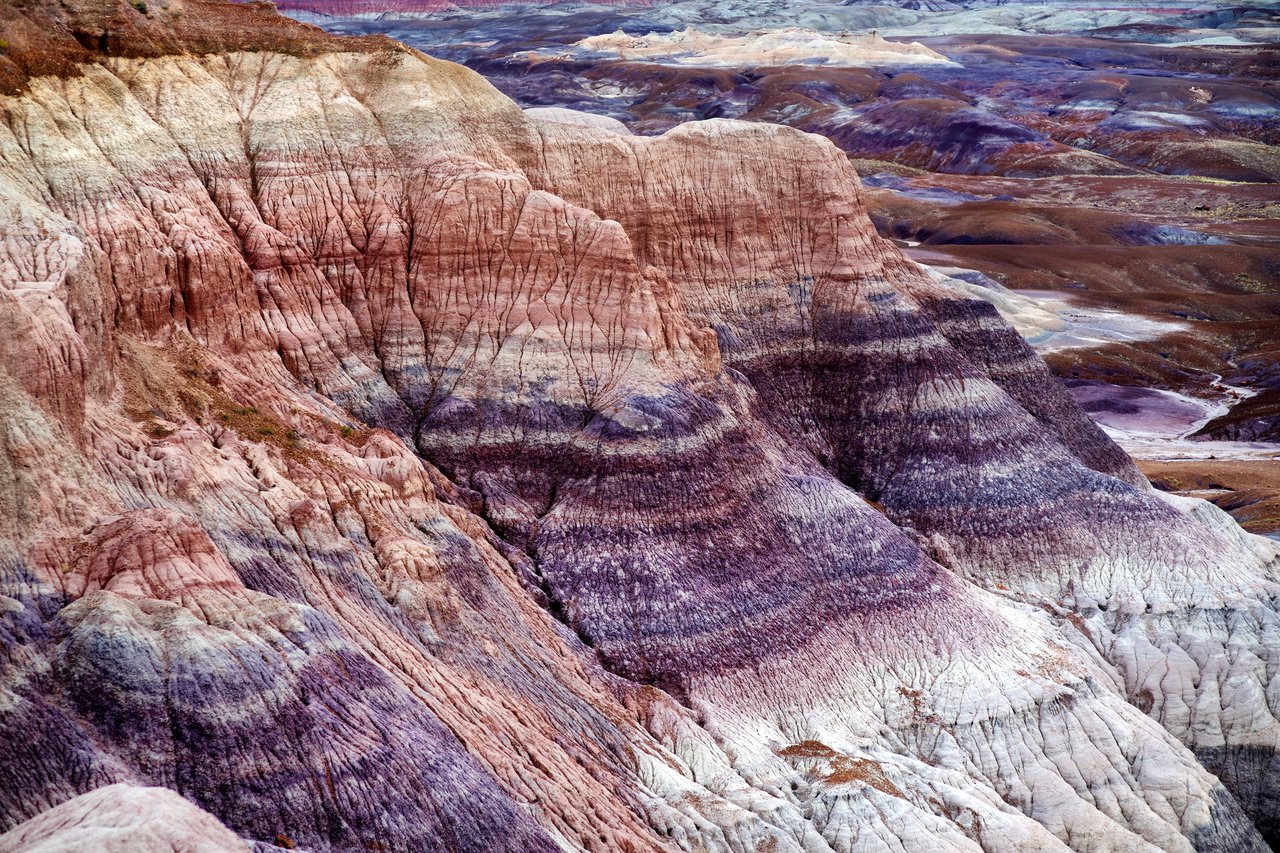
(386, 467)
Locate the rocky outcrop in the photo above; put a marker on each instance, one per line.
(122, 818)
(393, 468)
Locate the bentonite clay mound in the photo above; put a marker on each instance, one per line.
(387, 468)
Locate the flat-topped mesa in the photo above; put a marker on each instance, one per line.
(626, 590)
(783, 47)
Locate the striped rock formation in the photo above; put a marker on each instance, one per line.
(387, 468)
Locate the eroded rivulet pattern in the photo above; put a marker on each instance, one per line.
(387, 467)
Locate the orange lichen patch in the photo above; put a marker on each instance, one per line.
(845, 770)
(175, 385)
(808, 749)
(356, 437)
(155, 429)
(769, 845)
(159, 384)
(918, 708)
(255, 425)
(354, 433)
(842, 769)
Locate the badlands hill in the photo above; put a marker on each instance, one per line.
(385, 467)
(1122, 177)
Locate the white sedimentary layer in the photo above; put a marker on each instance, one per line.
(123, 819)
(789, 46)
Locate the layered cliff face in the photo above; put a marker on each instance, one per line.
(1050, 151)
(387, 467)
